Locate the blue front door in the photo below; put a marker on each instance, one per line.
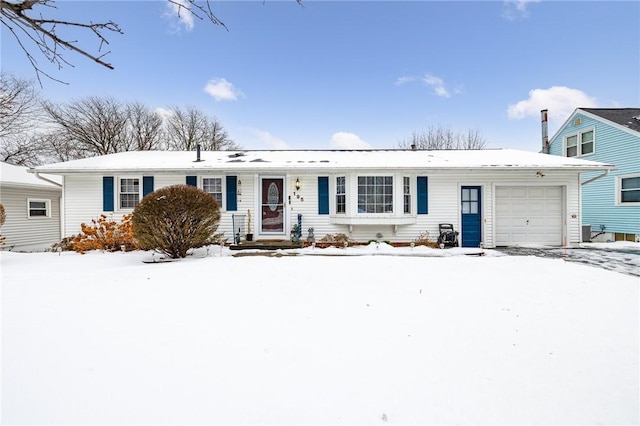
(471, 216)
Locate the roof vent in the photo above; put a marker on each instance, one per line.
(636, 117)
(577, 121)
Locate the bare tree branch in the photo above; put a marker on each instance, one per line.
(28, 25)
(190, 127)
(23, 22)
(443, 138)
(19, 105)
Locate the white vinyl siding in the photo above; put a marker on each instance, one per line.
(23, 232)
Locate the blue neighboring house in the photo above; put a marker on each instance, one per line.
(610, 201)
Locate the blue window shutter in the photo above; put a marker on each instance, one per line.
(147, 185)
(107, 193)
(232, 193)
(192, 180)
(323, 195)
(423, 195)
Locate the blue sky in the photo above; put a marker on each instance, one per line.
(360, 74)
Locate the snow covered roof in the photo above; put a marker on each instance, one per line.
(19, 175)
(316, 160)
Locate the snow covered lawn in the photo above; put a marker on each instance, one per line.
(105, 338)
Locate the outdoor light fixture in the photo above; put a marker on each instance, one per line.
(298, 184)
(539, 174)
(239, 187)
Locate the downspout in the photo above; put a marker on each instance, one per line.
(596, 177)
(60, 200)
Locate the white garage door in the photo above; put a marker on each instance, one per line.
(528, 215)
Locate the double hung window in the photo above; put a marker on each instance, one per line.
(129, 193)
(213, 187)
(341, 195)
(406, 186)
(579, 144)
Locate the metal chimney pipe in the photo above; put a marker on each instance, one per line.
(545, 131)
(198, 152)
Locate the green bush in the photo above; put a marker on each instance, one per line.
(175, 219)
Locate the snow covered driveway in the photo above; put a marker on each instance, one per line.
(622, 257)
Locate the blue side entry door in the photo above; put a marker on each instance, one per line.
(471, 208)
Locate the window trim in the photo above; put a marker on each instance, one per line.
(223, 188)
(118, 192)
(619, 189)
(578, 135)
(47, 208)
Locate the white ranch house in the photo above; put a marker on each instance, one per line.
(492, 197)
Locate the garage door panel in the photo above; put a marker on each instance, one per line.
(536, 193)
(528, 215)
(553, 192)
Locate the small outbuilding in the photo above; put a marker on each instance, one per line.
(32, 207)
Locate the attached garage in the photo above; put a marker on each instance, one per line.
(529, 215)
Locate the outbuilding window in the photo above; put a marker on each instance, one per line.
(39, 208)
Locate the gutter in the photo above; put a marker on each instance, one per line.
(44, 178)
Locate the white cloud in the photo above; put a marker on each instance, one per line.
(404, 79)
(268, 139)
(180, 9)
(222, 90)
(345, 140)
(436, 83)
(515, 9)
(559, 100)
